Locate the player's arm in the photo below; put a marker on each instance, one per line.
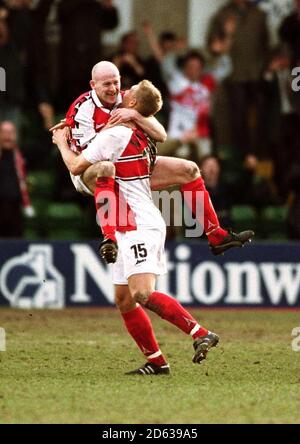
(150, 125)
(83, 130)
(108, 145)
(75, 163)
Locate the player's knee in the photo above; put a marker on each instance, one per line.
(141, 296)
(105, 169)
(124, 302)
(191, 170)
(119, 299)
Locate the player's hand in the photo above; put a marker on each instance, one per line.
(120, 116)
(62, 124)
(60, 136)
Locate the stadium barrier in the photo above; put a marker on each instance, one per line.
(58, 274)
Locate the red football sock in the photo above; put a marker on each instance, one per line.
(208, 217)
(140, 328)
(170, 310)
(105, 193)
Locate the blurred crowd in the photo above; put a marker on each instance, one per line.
(229, 106)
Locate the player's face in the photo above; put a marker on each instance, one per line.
(129, 98)
(107, 88)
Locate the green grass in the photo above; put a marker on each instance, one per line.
(67, 367)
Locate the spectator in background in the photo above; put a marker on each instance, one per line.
(38, 64)
(219, 66)
(246, 25)
(13, 189)
(210, 167)
(190, 101)
(253, 189)
(80, 47)
(27, 25)
(168, 43)
(19, 20)
(219, 63)
(289, 32)
(281, 124)
(293, 220)
(12, 98)
(128, 61)
(27, 29)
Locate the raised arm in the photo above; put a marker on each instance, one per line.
(153, 41)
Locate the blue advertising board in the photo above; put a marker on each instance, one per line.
(59, 274)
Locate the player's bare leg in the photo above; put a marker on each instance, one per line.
(139, 326)
(169, 171)
(100, 179)
(141, 287)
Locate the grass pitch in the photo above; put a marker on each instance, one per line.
(68, 367)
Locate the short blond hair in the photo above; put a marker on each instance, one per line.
(148, 98)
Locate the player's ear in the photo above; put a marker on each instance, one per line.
(133, 102)
(92, 84)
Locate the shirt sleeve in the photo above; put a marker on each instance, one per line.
(108, 144)
(84, 130)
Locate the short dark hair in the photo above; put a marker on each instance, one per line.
(167, 36)
(192, 54)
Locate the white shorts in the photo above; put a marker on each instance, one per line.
(140, 251)
(80, 185)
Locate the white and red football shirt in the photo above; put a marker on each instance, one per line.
(86, 117)
(127, 148)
